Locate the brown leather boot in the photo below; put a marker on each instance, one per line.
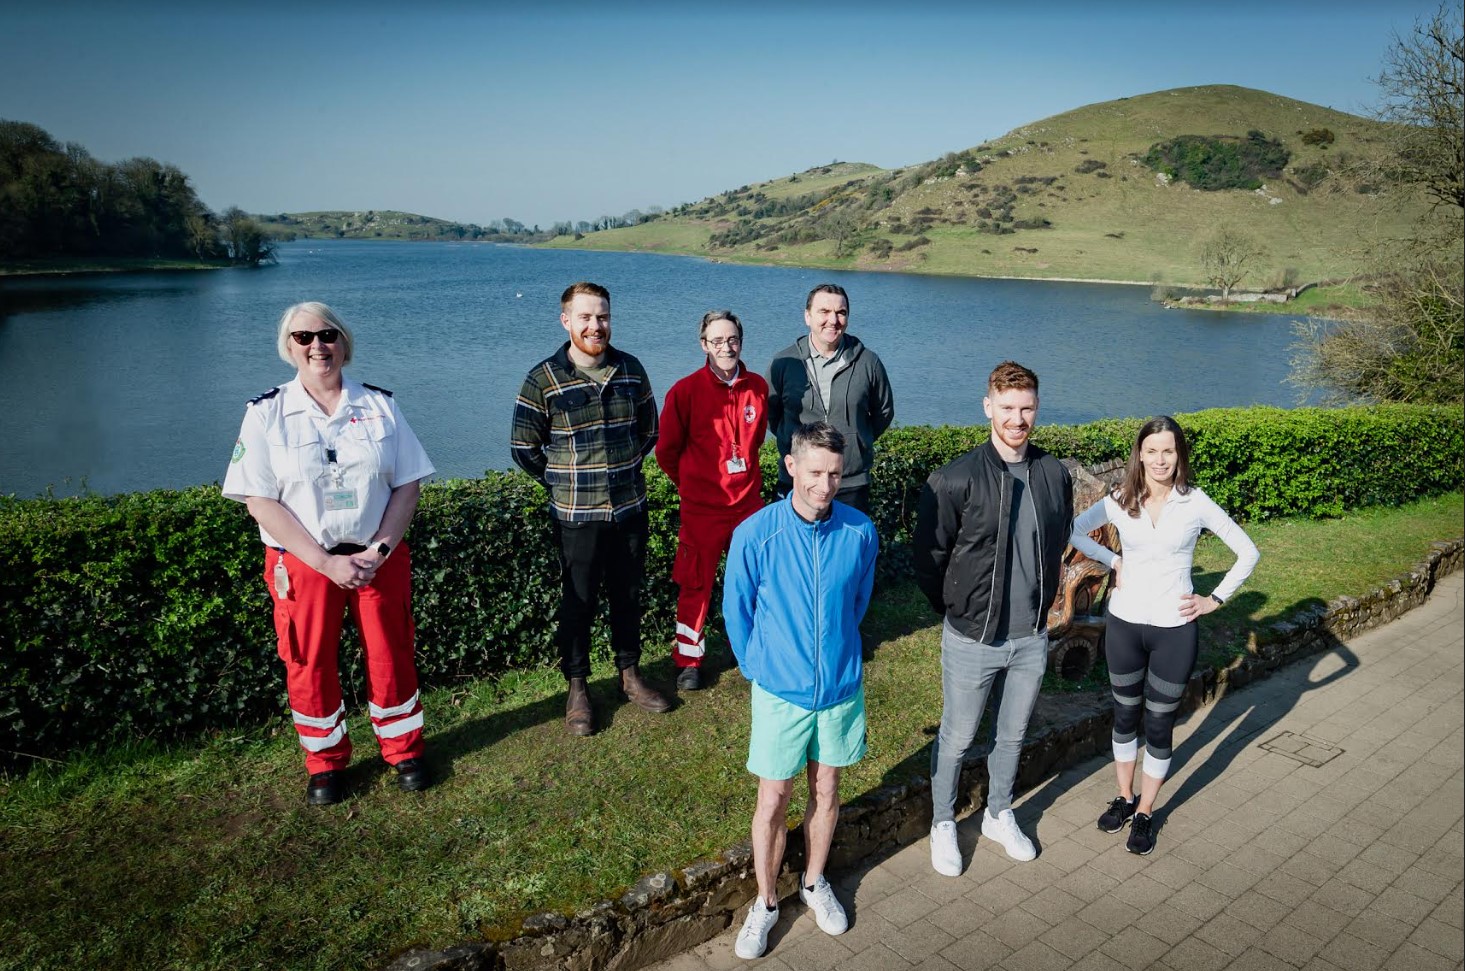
(579, 719)
(641, 694)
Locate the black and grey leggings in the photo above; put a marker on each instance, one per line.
(1148, 666)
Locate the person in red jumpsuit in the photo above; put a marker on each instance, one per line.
(713, 422)
(330, 470)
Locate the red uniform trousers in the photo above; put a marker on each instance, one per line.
(704, 537)
(308, 622)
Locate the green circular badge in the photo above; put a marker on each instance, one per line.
(238, 451)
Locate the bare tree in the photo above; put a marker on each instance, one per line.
(1423, 85)
(1409, 346)
(1227, 256)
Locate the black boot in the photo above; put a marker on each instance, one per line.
(413, 775)
(325, 788)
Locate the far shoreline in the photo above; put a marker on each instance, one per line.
(1242, 307)
(794, 265)
(33, 269)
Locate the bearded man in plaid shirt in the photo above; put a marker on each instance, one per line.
(583, 422)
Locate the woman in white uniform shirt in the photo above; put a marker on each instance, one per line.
(1151, 639)
(330, 470)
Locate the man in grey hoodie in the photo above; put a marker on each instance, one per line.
(828, 375)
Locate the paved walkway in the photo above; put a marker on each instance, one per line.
(1344, 854)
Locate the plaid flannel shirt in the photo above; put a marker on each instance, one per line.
(586, 442)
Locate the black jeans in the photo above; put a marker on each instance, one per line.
(589, 554)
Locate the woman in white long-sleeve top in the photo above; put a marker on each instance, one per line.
(1151, 639)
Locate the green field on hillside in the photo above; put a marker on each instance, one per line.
(1097, 211)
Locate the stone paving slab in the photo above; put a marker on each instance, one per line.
(1349, 859)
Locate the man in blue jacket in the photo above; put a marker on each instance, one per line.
(799, 575)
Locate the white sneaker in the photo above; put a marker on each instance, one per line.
(1003, 829)
(753, 938)
(828, 913)
(945, 854)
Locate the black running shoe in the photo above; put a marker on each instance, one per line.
(1118, 813)
(1141, 835)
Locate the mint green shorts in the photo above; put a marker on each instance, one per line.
(786, 737)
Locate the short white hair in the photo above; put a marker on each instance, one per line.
(326, 315)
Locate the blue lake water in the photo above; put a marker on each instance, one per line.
(138, 381)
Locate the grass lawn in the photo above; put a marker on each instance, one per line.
(1305, 564)
(205, 856)
(1329, 301)
(654, 237)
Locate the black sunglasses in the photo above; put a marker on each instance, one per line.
(305, 337)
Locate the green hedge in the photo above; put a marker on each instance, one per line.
(146, 615)
(1258, 463)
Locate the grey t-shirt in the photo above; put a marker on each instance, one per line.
(824, 369)
(1019, 614)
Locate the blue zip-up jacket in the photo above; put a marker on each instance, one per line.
(793, 598)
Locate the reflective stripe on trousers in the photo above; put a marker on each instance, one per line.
(308, 627)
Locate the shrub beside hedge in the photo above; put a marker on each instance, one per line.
(147, 615)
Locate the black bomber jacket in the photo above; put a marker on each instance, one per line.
(961, 545)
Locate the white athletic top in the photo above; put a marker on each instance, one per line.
(1157, 557)
(283, 453)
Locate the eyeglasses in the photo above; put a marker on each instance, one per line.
(305, 337)
(721, 342)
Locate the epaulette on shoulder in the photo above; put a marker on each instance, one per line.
(376, 389)
(264, 397)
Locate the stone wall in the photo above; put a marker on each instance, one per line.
(669, 912)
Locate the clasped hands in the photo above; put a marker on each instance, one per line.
(353, 571)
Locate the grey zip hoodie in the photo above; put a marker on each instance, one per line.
(860, 403)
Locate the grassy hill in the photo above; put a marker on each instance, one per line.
(380, 224)
(1065, 197)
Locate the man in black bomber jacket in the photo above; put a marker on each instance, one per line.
(990, 534)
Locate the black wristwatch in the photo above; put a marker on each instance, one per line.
(1218, 600)
(384, 550)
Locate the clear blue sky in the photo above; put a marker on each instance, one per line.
(575, 110)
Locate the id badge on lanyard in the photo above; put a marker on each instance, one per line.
(337, 495)
(738, 464)
(338, 499)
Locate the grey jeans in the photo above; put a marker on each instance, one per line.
(968, 669)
